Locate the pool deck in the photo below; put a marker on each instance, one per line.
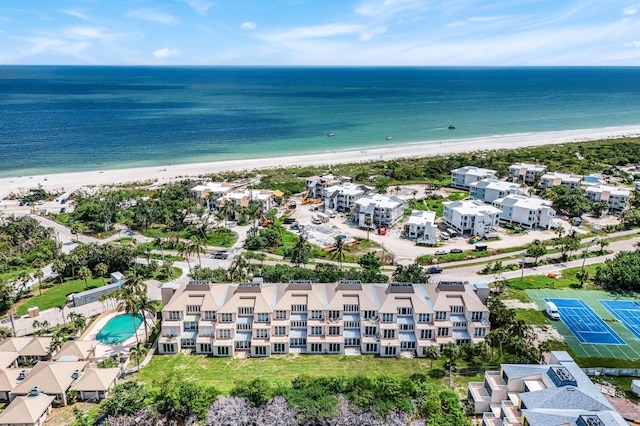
(107, 350)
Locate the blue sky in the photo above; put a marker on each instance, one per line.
(320, 32)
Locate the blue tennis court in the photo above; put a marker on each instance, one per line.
(625, 311)
(584, 323)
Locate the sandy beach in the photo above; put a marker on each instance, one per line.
(165, 174)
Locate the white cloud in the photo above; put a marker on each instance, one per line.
(631, 10)
(383, 8)
(83, 33)
(315, 32)
(484, 18)
(200, 6)
(248, 25)
(153, 15)
(635, 43)
(79, 15)
(166, 53)
(367, 35)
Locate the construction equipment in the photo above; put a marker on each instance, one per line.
(382, 230)
(263, 221)
(304, 199)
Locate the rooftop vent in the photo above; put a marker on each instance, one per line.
(561, 377)
(349, 285)
(400, 288)
(76, 374)
(589, 420)
(34, 391)
(451, 286)
(22, 374)
(300, 284)
(248, 288)
(198, 282)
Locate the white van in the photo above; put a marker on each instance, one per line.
(444, 235)
(552, 310)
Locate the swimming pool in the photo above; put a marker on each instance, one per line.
(119, 329)
(591, 179)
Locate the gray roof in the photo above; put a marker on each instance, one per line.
(563, 397)
(569, 417)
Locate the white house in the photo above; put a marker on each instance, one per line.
(317, 184)
(421, 227)
(616, 197)
(214, 189)
(489, 190)
(471, 216)
(525, 211)
(263, 197)
(549, 180)
(524, 172)
(463, 177)
(341, 198)
(382, 210)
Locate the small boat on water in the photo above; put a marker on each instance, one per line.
(388, 138)
(451, 127)
(330, 134)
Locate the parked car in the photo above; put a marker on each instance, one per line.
(220, 255)
(288, 221)
(440, 252)
(434, 269)
(455, 250)
(445, 235)
(294, 226)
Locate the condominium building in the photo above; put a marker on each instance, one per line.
(463, 177)
(549, 180)
(348, 317)
(617, 198)
(471, 217)
(524, 172)
(489, 190)
(526, 211)
(378, 210)
(263, 197)
(211, 190)
(421, 227)
(342, 198)
(317, 184)
(558, 393)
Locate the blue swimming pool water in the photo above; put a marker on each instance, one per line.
(119, 329)
(591, 179)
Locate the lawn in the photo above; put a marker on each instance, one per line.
(532, 316)
(435, 205)
(55, 295)
(566, 281)
(222, 373)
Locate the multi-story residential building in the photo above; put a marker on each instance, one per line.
(558, 393)
(380, 210)
(317, 184)
(263, 197)
(617, 198)
(342, 198)
(348, 317)
(526, 211)
(421, 227)
(463, 177)
(524, 172)
(211, 190)
(489, 190)
(471, 217)
(549, 180)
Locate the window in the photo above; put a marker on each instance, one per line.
(205, 347)
(193, 308)
(405, 311)
(370, 331)
(387, 317)
(390, 351)
(260, 350)
(443, 331)
(174, 315)
(243, 345)
(352, 342)
(334, 347)
(281, 315)
(188, 342)
(226, 317)
(316, 331)
(351, 308)
(389, 334)
(263, 318)
(408, 345)
(278, 348)
(280, 331)
(261, 333)
(210, 315)
(168, 348)
(316, 347)
(371, 347)
(297, 342)
(423, 318)
(224, 334)
(245, 310)
(243, 327)
(298, 308)
(369, 315)
(334, 314)
(441, 315)
(406, 327)
(476, 316)
(457, 309)
(334, 331)
(316, 315)
(171, 331)
(479, 332)
(206, 331)
(191, 325)
(426, 334)
(223, 350)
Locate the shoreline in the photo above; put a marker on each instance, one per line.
(169, 173)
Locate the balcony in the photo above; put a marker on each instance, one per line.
(490, 419)
(510, 412)
(298, 324)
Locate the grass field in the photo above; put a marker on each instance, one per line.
(222, 373)
(630, 351)
(55, 295)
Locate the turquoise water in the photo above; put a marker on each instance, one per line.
(119, 329)
(71, 118)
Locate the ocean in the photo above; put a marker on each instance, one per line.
(68, 118)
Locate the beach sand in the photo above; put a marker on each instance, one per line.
(169, 173)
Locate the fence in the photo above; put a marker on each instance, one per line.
(603, 371)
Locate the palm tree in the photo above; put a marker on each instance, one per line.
(85, 274)
(101, 269)
(79, 321)
(38, 273)
(228, 208)
(368, 222)
(299, 253)
(135, 283)
(130, 304)
(338, 250)
(158, 245)
(197, 248)
(61, 309)
(147, 307)
(602, 242)
(433, 353)
(452, 352)
(137, 353)
(238, 268)
(56, 342)
(397, 189)
(59, 267)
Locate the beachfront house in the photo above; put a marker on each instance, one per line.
(525, 173)
(346, 318)
(558, 393)
(471, 217)
(489, 190)
(212, 190)
(421, 227)
(526, 212)
(29, 410)
(341, 198)
(377, 210)
(51, 378)
(317, 184)
(616, 198)
(264, 198)
(463, 177)
(550, 180)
